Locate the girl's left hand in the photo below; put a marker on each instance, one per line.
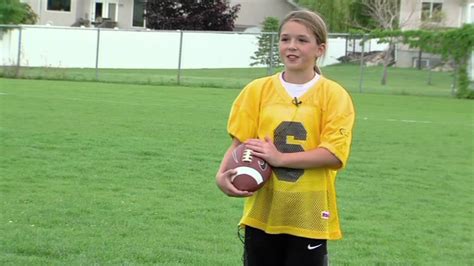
(266, 150)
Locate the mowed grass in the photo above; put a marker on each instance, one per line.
(102, 173)
(400, 81)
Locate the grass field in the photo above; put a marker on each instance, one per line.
(107, 174)
(401, 81)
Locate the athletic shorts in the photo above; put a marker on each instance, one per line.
(262, 249)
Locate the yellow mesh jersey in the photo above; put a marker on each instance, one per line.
(295, 201)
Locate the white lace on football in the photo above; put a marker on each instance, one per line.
(247, 156)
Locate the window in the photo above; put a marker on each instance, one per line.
(59, 5)
(423, 63)
(112, 11)
(471, 14)
(432, 11)
(98, 10)
(105, 10)
(138, 13)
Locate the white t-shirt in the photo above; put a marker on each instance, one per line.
(296, 90)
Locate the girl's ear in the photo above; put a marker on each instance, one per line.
(321, 49)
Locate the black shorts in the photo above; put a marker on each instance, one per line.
(261, 249)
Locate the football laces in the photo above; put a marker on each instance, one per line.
(247, 156)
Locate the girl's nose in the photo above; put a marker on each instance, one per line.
(292, 46)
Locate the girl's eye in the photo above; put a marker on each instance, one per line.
(303, 40)
(284, 39)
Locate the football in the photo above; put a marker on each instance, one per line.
(252, 171)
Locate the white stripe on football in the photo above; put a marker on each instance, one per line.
(243, 170)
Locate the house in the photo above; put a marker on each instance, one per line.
(416, 14)
(128, 14)
(253, 13)
(124, 14)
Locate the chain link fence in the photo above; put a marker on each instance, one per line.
(191, 58)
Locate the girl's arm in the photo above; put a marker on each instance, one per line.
(316, 158)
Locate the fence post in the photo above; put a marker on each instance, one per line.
(179, 56)
(97, 55)
(353, 46)
(454, 83)
(347, 43)
(361, 80)
(270, 67)
(430, 70)
(18, 58)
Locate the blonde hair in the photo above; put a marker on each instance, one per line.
(313, 22)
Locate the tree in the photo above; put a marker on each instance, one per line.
(14, 12)
(384, 15)
(267, 53)
(191, 15)
(454, 44)
(336, 13)
(359, 18)
(434, 22)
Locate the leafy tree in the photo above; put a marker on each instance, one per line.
(383, 14)
(455, 44)
(359, 18)
(191, 15)
(14, 12)
(336, 13)
(378, 15)
(267, 53)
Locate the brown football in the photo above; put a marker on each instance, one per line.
(252, 171)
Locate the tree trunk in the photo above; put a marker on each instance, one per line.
(420, 54)
(386, 62)
(430, 71)
(361, 80)
(453, 84)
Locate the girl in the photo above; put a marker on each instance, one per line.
(301, 124)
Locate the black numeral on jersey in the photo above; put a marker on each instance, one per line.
(298, 132)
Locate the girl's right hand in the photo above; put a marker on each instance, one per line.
(223, 181)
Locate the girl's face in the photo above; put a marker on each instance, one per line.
(298, 47)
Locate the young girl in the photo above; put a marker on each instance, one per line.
(301, 124)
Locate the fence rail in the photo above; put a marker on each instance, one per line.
(68, 47)
(175, 57)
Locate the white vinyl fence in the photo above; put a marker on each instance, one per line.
(66, 47)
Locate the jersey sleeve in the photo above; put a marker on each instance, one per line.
(337, 124)
(243, 118)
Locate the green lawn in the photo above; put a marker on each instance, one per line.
(401, 81)
(108, 173)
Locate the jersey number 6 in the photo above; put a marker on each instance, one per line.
(285, 129)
